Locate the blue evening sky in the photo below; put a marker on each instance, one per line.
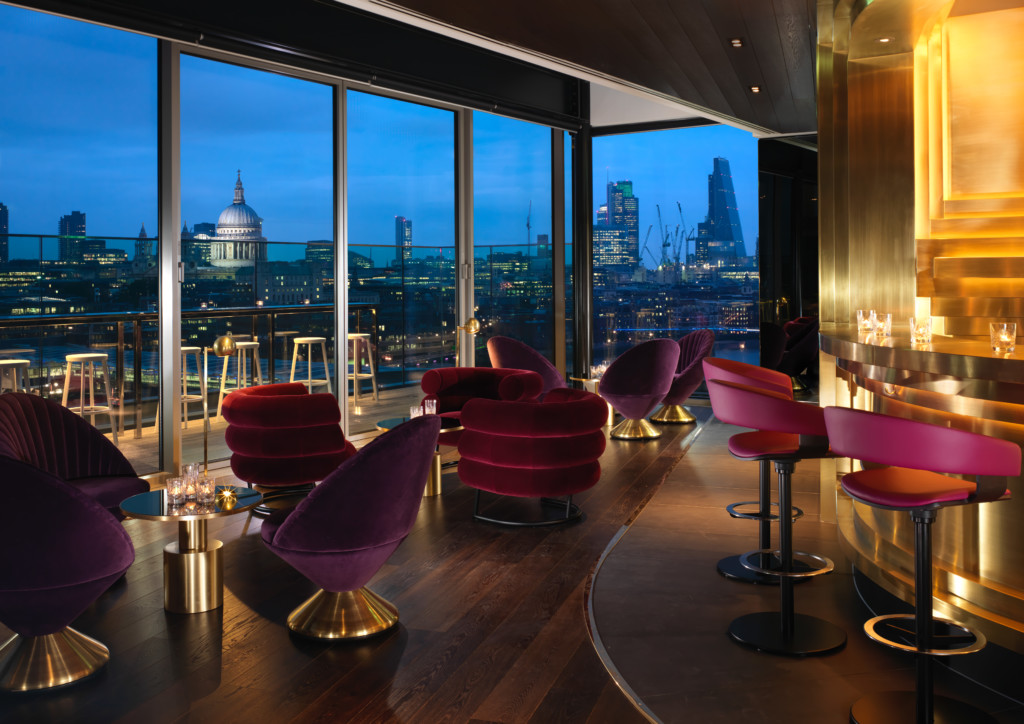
(78, 131)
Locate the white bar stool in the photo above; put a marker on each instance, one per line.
(360, 344)
(14, 367)
(87, 362)
(241, 369)
(186, 396)
(309, 342)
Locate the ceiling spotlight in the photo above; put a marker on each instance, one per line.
(755, 89)
(736, 42)
(883, 40)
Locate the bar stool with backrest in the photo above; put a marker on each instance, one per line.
(360, 352)
(18, 369)
(244, 351)
(189, 397)
(716, 368)
(914, 452)
(87, 362)
(790, 431)
(309, 343)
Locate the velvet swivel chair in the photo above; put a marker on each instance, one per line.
(636, 382)
(48, 436)
(62, 550)
(716, 368)
(282, 438)
(453, 387)
(786, 433)
(545, 450)
(693, 348)
(916, 456)
(346, 529)
(510, 353)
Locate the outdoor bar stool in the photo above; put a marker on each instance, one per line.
(309, 342)
(87, 366)
(186, 396)
(360, 349)
(241, 356)
(18, 369)
(915, 451)
(730, 370)
(787, 432)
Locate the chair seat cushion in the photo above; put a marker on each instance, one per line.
(906, 488)
(764, 444)
(110, 490)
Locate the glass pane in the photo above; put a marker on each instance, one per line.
(512, 233)
(257, 205)
(78, 213)
(675, 239)
(401, 252)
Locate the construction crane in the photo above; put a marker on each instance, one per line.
(649, 252)
(663, 232)
(683, 237)
(529, 238)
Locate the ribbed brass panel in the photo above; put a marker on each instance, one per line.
(1004, 307)
(990, 267)
(968, 326)
(984, 206)
(978, 549)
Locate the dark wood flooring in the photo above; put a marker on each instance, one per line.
(493, 625)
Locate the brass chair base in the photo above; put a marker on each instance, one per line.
(673, 415)
(635, 430)
(28, 663)
(344, 615)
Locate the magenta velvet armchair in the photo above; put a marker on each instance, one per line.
(636, 382)
(51, 438)
(346, 529)
(284, 438)
(453, 387)
(543, 450)
(513, 354)
(693, 348)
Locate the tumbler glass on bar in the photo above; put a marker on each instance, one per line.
(1003, 336)
(921, 330)
(883, 325)
(866, 320)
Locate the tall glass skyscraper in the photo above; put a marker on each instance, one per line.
(720, 236)
(403, 238)
(4, 229)
(617, 232)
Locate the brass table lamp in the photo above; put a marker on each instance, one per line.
(470, 327)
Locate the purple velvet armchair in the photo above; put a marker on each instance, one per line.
(346, 529)
(636, 382)
(453, 387)
(63, 550)
(693, 348)
(540, 450)
(283, 438)
(513, 354)
(53, 439)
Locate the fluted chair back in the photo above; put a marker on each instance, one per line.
(282, 436)
(719, 368)
(48, 436)
(693, 348)
(512, 354)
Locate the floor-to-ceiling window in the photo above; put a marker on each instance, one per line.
(400, 169)
(78, 210)
(675, 239)
(512, 259)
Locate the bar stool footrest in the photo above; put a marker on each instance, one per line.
(943, 629)
(733, 569)
(824, 565)
(732, 510)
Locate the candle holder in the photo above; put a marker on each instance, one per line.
(1003, 336)
(866, 321)
(920, 330)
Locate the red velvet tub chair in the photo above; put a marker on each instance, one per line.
(62, 550)
(453, 387)
(636, 382)
(53, 439)
(540, 450)
(346, 529)
(284, 439)
(693, 348)
(513, 354)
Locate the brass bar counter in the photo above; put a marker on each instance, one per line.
(978, 549)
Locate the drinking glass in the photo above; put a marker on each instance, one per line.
(206, 489)
(1003, 336)
(415, 411)
(430, 407)
(176, 491)
(866, 320)
(883, 325)
(921, 330)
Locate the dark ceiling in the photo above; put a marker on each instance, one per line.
(679, 48)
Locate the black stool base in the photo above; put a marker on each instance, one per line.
(810, 636)
(898, 707)
(732, 568)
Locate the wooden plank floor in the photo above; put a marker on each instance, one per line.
(493, 625)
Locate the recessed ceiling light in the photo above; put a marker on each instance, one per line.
(755, 89)
(736, 42)
(883, 40)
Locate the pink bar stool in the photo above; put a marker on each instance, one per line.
(788, 432)
(716, 368)
(915, 451)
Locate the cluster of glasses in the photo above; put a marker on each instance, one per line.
(192, 487)
(428, 407)
(877, 323)
(597, 371)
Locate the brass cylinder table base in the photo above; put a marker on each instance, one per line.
(674, 415)
(635, 430)
(344, 615)
(193, 580)
(434, 477)
(43, 662)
